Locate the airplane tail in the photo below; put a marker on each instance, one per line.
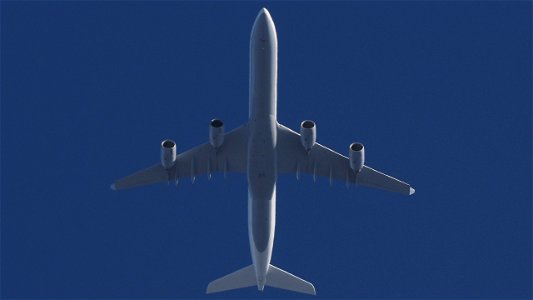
(276, 277)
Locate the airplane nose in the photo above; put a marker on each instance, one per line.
(263, 25)
(262, 16)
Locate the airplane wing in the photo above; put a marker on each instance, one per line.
(200, 160)
(324, 162)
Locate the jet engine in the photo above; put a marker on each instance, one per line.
(216, 133)
(168, 153)
(357, 156)
(308, 134)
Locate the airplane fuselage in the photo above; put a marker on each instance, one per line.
(262, 155)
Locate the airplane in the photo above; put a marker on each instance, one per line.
(263, 148)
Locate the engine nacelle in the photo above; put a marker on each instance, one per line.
(308, 134)
(357, 156)
(216, 133)
(168, 153)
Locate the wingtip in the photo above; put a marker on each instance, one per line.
(208, 289)
(313, 292)
(411, 191)
(113, 187)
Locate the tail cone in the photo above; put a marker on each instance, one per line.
(261, 284)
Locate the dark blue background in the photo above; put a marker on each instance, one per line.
(440, 93)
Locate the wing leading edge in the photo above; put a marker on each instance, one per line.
(200, 160)
(324, 162)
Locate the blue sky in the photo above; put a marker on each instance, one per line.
(439, 93)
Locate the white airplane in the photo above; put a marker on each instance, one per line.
(263, 148)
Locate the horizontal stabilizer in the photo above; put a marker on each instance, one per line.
(275, 277)
(280, 279)
(242, 278)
